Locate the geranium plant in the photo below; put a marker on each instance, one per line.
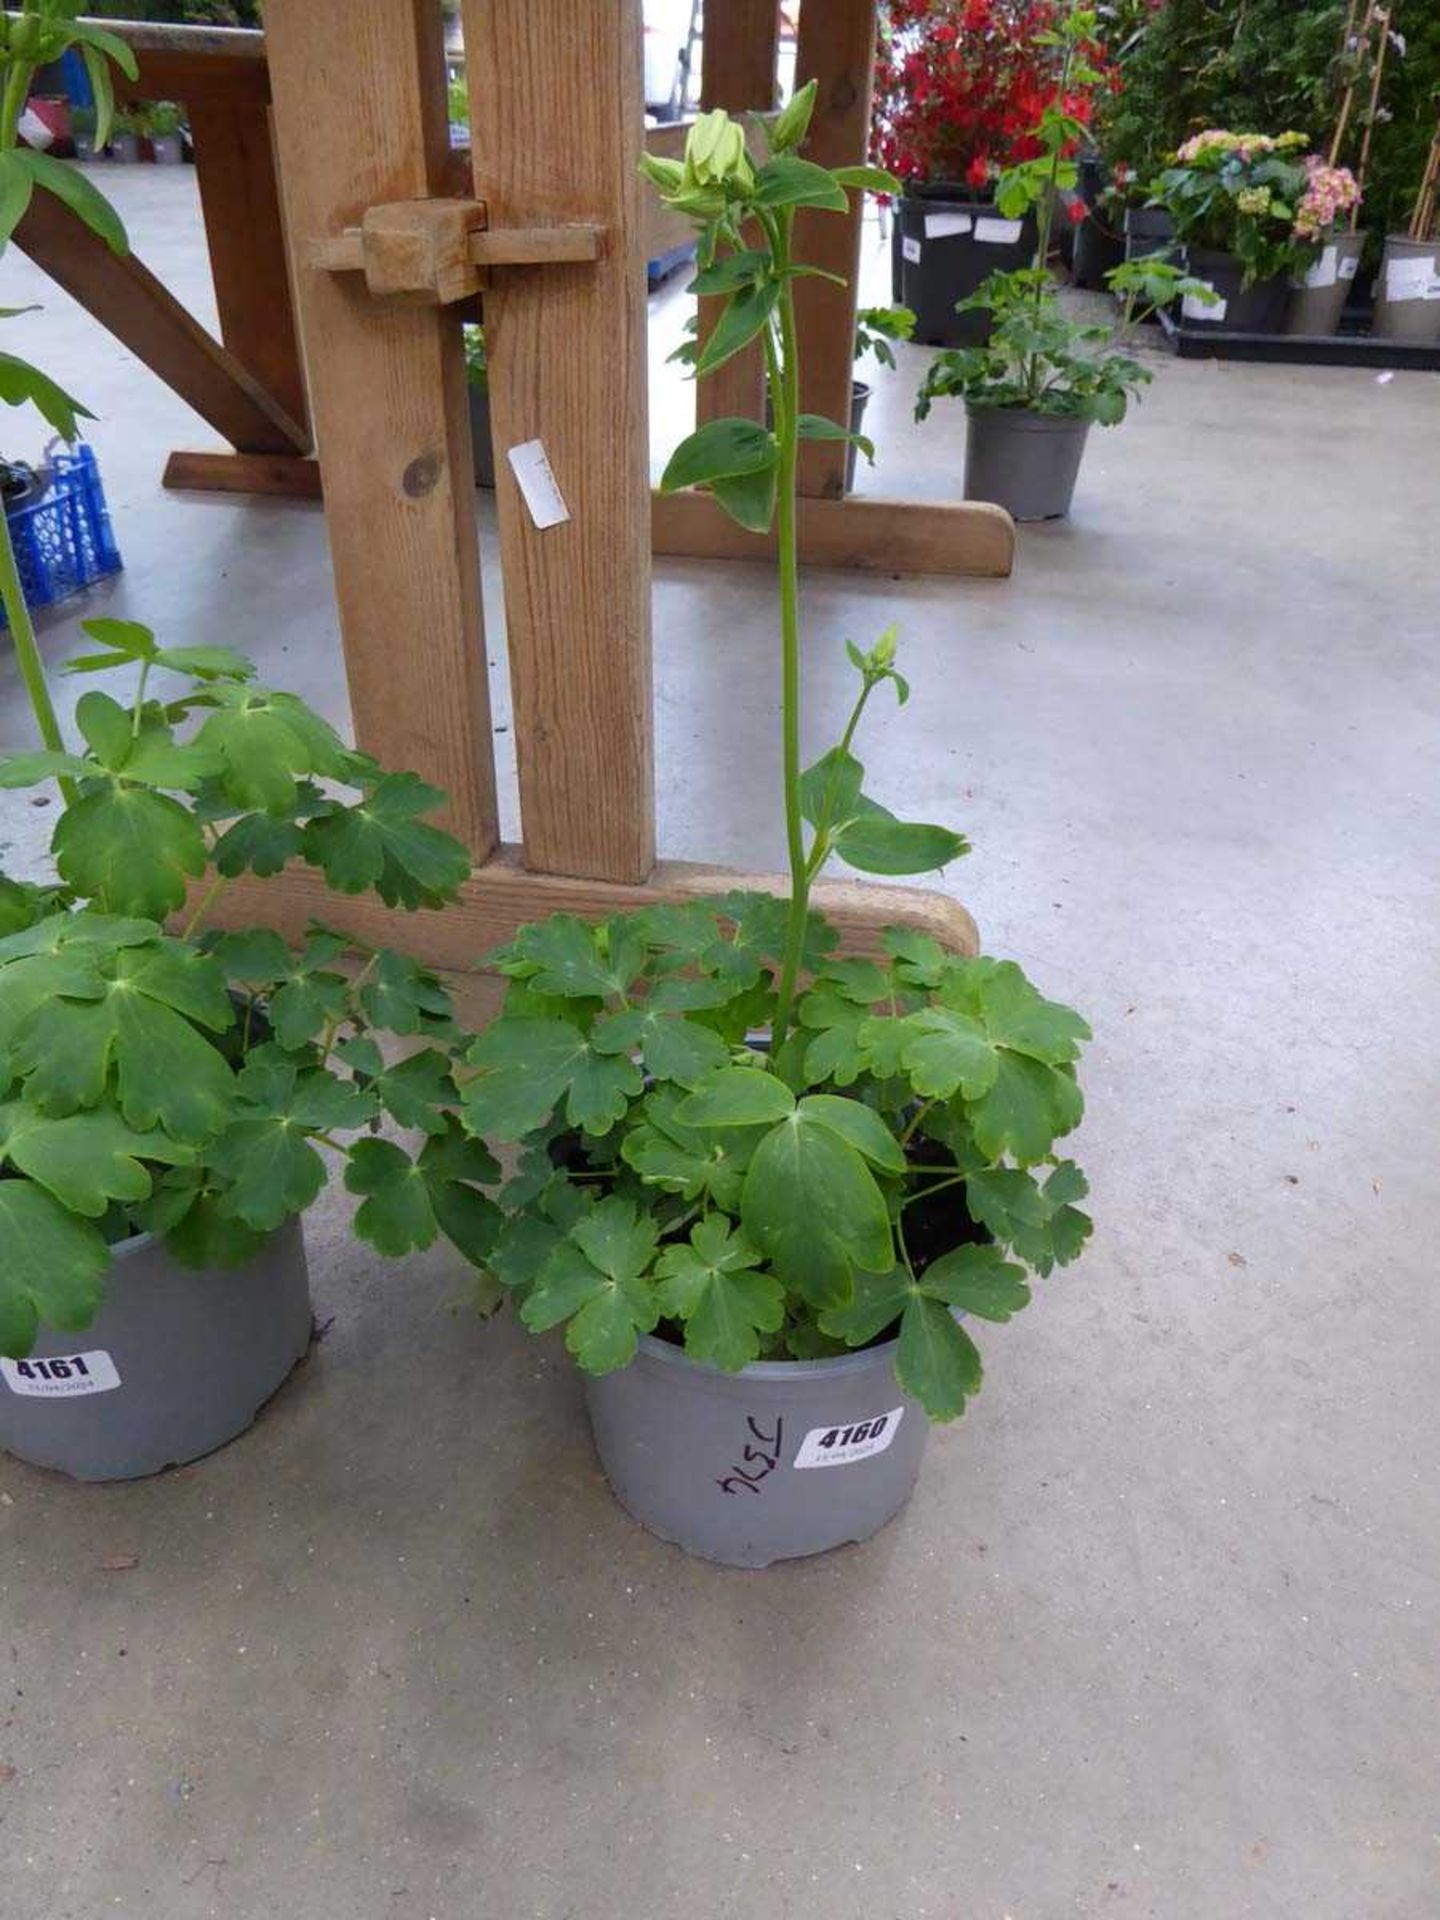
(1036, 357)
(725, 1132)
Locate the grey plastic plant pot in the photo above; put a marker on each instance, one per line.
(1258, 308)
(125, 147)
(1317, 300)
(1023, 461)
(176, 1362)
(480, 436)
(721, 1463)
(168, 149)
(1407, 291)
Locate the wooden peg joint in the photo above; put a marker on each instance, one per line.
(436, 252)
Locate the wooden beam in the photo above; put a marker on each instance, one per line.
(555, 94)
(240, 201)
(837, 49)
(145, 316)
(503, 895)
(969, 538)
(504, 247)
(742, 39)
(219, 65)
(293, 476)
(360, 120)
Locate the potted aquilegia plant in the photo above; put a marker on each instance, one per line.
(165, 1092)
(1035, 387)
(757, 1183)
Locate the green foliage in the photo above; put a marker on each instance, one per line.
(766, 1204)
(876, 327)
(1240, 195)
(186, 1085)
(1040, 359)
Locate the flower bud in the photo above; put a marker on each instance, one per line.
(790, 129)
(664, 174)
(715, 150)
(883, 651)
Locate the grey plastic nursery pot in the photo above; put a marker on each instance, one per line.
(176, 1363)
(1024, 461)
(1407, 290)
(1317, 300)
(168, 149)
(785, 1458)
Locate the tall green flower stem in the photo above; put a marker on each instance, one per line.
(27, 653)
(783, 377)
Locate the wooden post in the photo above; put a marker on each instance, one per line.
(837, 49)
(240, 199)
(742, 38)
(557, 120)
(360, 120)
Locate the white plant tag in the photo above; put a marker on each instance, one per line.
(1192, 307)
(841, 1446)
(61, 1377)
(1325, 272)
(997, 233)
(1349, 267)
(529, 464)
(911, 249)
(1409, 279)
(945, 226)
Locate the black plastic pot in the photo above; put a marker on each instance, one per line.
(950, 241)
(1024, 461)
(1098, 251)
(1147, 230)
(480, 436)
(1259, 308)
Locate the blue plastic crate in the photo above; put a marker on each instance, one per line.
(63, 540)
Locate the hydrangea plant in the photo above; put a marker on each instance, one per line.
(724, 1130)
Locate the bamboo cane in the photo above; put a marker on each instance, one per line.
(1382, 16)
(1347, 100)
(1424, 215)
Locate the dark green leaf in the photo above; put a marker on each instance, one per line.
(129, 850)
(857, 1123)
(745, 314)
(811, 1205)
(381, 843)
(977, 1279)
(79, 193)
(749, 499)
(877, 1303)
(1026, 1109)
(22, 384)
(788, 181)
(720, 450)
(87, 1160)
(937, 1360)
(710, 1284)
(948, 1053)
(51, 1267)
(737, 1097)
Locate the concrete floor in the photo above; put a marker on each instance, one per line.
(1157, 1636)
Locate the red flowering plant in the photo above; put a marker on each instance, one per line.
(961, 85)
